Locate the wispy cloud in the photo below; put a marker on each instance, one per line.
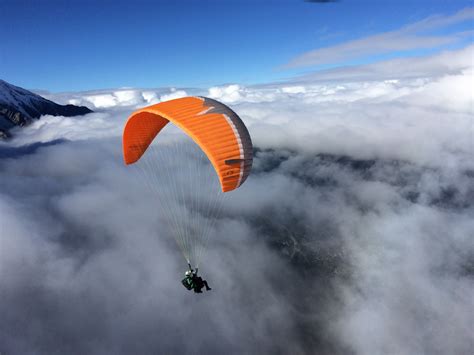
(442, 63)
(410, 37)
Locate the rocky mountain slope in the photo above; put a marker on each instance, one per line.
(18, 107)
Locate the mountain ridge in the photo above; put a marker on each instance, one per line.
(19, 107)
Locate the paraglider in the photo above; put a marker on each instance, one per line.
(191, 201)
(216, 129)
(194, 282)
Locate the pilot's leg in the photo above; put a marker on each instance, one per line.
(206, 285)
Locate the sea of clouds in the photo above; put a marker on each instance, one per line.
(352, 235)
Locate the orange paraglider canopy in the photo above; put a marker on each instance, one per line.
(218, 131)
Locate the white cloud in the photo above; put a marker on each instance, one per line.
(293, 90)
(101, 101)
(150, 97)
(230, 93)
(118, 98)
(425, 119)
(175, 94)
(447, 62)
(406, 38)
(91, 126)
(422, 119)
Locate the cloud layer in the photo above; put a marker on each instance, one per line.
(352, 235)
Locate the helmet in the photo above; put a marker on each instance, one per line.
(188, 273)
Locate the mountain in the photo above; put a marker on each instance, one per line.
(18, 107)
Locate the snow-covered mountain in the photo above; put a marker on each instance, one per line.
(18, 107)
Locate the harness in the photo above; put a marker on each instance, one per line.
(188, 282)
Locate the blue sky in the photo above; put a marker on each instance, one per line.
(84, 45)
